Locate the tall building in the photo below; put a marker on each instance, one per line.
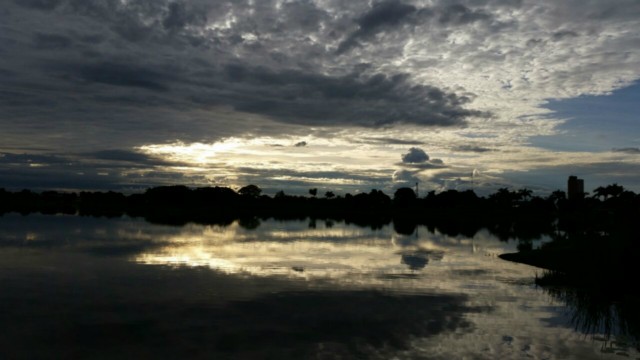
(575, 188)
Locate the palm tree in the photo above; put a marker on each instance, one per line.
(557, 196)
(615, 190)
(600, 192)
(504, 196)
(524, 194)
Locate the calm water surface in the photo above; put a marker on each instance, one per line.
(74, 287)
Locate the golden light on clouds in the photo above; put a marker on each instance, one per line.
(194, 153)
(359, 160)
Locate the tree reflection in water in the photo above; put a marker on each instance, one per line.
(597, 313)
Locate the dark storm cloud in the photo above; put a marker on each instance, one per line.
(106, 169)
(38, 4)
(51, 41)
(57, 177)
(90, 78)
(417, 160)
(352, 99)
(472, 148)
(389, 15)
(415, 155)
(122, 74)
(146, 86)
(130, 157)
(560, 35)
(382, 15)
(389, 12)
(301, 144)
(389, 141)
(459, 15)
(180, 15)
(628, 150)
(136, 20)
(26, 159)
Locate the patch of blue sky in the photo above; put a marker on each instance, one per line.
(595, 123)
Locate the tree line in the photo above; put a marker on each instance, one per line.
(505, 212)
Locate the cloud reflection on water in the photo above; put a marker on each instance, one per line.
(79, 286)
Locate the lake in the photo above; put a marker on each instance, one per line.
(85, 287)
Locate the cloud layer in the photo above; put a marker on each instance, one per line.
(469, 80)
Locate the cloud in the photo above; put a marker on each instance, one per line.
(103, 170)
(415, 156)
(393, 14)
(51, 41)
(120, 74)
(405, 178)
(27, 159)
(382, 15)
(429, 165)
(286, 94)
(390, 141)
(311, 175)
(459, 14)
(130, 157)
(300, 144)
(39, 4)
(408, 73)
(472, 148)
(355, 99)
(180, 15)
(628, 150)
(560, 35)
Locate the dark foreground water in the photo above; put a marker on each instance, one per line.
(74, 287)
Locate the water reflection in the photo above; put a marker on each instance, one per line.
(617, 323)
(418, 259)
(122, 287)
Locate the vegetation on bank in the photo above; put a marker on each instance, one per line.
(506, 213)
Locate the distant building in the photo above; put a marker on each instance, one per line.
(575, 188)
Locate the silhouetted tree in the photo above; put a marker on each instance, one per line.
(404, 196)
(313, 192)
(524, 194)
(615, 190)
(609, 191)
(431, 195)
(600, 192)
(176, 195)
(251, 191)
(218, 195)
(378, 198)
(504, 197)
(329, 194)
(557, 196)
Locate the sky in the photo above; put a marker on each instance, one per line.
(340, 96)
